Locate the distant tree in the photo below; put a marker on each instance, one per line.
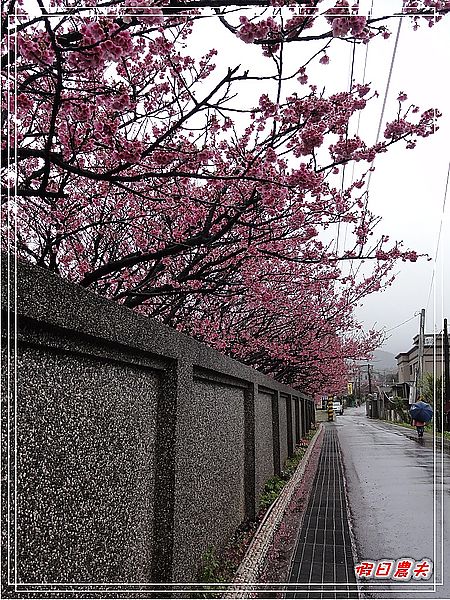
(432, 388)
(400, 408)
(143, 175)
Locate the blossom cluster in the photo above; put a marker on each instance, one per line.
(343, 20)
(102, 41)
(144, 11)
(249, 32)
(36, 48)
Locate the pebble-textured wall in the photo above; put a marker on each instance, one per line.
(263, 440)
(138, 447)
(85, 468)
(210, 482)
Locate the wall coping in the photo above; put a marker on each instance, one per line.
(39, 295)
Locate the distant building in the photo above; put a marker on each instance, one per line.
(433, 356)
(367, 378)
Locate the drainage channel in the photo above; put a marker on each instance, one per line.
(323, 566)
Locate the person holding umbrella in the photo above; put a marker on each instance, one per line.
(421, 412)
(420, 426)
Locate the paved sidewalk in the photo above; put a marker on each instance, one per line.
(323, 563)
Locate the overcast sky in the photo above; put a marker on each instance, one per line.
(407, 187)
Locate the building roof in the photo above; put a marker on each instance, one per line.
(429, 342)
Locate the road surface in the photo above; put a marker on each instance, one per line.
(398, 491)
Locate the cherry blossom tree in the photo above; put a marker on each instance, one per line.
(137, 169)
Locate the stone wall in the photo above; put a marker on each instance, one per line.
(135, 448)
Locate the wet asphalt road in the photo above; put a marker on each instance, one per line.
(398, 489)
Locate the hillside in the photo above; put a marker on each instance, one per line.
(384, 360)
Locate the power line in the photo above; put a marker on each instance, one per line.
(386, 92)
(346, 139)
(357, 134)
(439, 235)
(403, 323)
(394, 53)
(364, 81)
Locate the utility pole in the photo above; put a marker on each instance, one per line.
(446, 377)
(358, 384)
(370, 380)
(420, 373)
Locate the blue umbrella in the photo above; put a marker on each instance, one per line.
(421, 411)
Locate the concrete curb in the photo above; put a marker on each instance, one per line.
(254, 558)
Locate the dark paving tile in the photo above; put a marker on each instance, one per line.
(323, 554)
(318, 555)
(308, 550)
(310, 536)
(351, 572)
(316, 572)
(329, 554)
(328, 573)
(295, 570)
(320, 523)
(349, 553)
(320, 536)
(339, 537)
(339, 555)
(304, 575)
(298, 555)
(304, 572)
(341, 574)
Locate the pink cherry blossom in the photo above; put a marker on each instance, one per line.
(152, 177)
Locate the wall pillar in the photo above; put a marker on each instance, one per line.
(304, 409)
(297, 420)
(276, 433)
(161, 568)
(249, 464)
(290, 440)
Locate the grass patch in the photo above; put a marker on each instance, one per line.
(428, 426)
(272, 490)
(275, 484)
(222, 568)
(400, 423)
(214, 569)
